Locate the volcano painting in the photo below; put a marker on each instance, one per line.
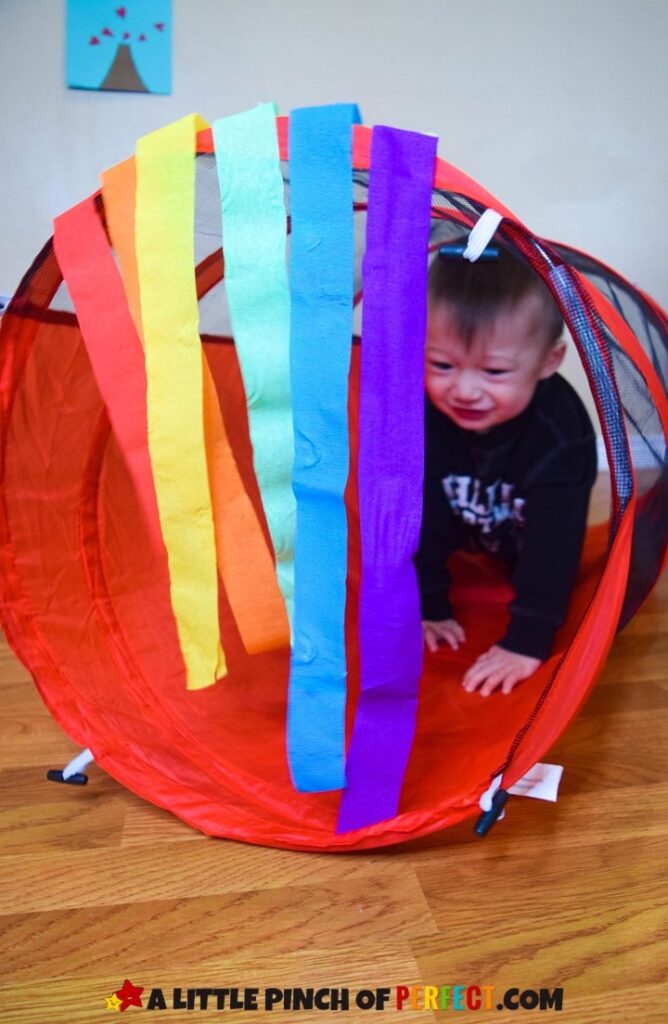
(120, 47)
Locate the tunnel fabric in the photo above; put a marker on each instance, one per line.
(85, 600)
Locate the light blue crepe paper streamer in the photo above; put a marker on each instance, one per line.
(390, 472)
(256, 282)
(321, 282)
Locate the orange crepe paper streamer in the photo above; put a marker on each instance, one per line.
(244, 560)
(118, 194)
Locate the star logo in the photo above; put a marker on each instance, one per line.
(112, 1003)
(129, 995)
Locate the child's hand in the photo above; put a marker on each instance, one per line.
(447, 630)
(498, 668)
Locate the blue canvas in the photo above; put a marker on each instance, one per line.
(118, 46)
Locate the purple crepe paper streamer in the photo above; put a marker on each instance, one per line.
(391, 467)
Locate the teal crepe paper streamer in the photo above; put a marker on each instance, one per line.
(256, 282)
(321, 290)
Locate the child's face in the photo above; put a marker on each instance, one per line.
(494, 378)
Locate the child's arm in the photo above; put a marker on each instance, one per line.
(544, 576)
(438, 623)
(547, 565)
(439, 534)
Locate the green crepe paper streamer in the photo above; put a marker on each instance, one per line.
(256, 282)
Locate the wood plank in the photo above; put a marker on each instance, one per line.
(607, 751)
(72, 825)
(577, 820)
(109, 876)
(29, 737)
(146, 824)
(550, 925)
(190, 930)
(386, 962)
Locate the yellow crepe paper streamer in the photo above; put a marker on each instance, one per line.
(244, 559)
(165, 165)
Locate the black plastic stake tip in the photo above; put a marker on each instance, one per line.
(487, 818)
(56, 775)
(456, 252)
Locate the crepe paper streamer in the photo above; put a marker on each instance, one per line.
(244, 559)
(111, 340)
(391, 453)
(118, 195)
(254, 219)
(165, 164)
(321, 281)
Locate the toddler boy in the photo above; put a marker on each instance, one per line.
(510, 457)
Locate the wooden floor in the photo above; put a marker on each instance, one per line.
(97, 886)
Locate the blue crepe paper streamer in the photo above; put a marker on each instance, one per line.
(321, 294)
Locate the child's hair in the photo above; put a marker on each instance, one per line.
(476, 293)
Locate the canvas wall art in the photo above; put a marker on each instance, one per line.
(120, 47)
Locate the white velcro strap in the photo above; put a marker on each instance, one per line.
(481, 234)
(78, 763)
(486, 798)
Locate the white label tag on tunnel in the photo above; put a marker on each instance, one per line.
(541, 781)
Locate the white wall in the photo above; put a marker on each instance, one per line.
(556, 107)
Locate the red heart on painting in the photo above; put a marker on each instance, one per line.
(94, 41)
(106, 32)
(120, 11)
(126, 35)
(159, 25)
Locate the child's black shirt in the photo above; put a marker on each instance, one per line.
(521, 489)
